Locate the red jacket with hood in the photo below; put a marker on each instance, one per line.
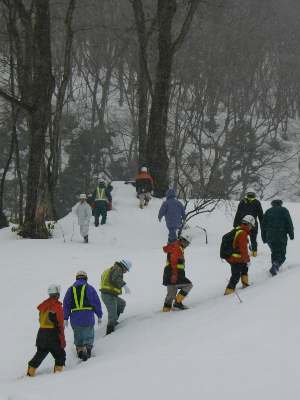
(54, 306)
(240, 244)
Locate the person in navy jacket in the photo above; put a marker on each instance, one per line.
(174, 213)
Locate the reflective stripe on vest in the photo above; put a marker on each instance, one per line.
(101, 195)
(79, 305)
(238, 231)
(106, 285)
(45, 321)
(181, 264)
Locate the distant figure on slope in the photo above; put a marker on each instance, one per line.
(144, 187)
(178, 286)
(174, 213)
(101, 198)
(111, 286)
(50, 337)
(109, 188)
(250, 206)
(84, 214)
(239, 258)
(81, 302)
(277, 224)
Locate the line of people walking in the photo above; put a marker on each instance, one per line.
(80, 305)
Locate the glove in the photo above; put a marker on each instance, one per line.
(126, 289)
(99, 321)
(66, 323)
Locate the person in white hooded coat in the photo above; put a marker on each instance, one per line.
(84, 214)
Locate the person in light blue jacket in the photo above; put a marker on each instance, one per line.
(174, 213)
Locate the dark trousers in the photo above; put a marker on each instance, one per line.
(278, 252)
(47, 341)
(100, 209)
(253, 237)
(237, 270)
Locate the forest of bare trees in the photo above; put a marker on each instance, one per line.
(201, 92)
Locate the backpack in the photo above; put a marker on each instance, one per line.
(226, 248)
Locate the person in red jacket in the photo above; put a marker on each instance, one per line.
(50, 337)
(144, 186)
(240, 258)
(178, 285)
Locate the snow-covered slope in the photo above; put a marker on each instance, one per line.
(218, 349)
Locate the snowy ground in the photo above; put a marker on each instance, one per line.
(218, 349)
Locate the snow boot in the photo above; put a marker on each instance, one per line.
(58, 368)
(82, 353)
(228, 291)
(167, 307)
(245, 281)
(254, 253)
(110, 328)
(274, 269)
(31, 371)
(89, 351)
(178, 302)
(86, 239)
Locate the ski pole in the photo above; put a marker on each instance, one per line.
(238, 296)
(62, 231)
(73, 230)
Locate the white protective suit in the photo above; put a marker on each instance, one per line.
(84, 214)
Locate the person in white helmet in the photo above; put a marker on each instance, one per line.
(50, 337)
(240, 257)
(111, 285)
(144, 186)
(178, 285)
(84, 214)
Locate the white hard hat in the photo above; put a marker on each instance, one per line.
(186, 236)
(82, 196)
(144, 169)
(249, 219)
(126, 264)
(53, 289)
(81, 274)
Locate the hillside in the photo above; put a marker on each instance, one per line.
(219, 348)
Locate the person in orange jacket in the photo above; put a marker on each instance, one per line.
(178, 285)
(50, 337)
(240, 258)
(144, 186)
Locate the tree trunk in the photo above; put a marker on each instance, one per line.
(157, 157)
(38, 121)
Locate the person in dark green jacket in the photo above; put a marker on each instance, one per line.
(276, 225)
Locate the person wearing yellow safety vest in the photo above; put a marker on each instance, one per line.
(178, 285)
(101, 199)
(111, 288)
(81, 302)
(240, 258)
(50, 337)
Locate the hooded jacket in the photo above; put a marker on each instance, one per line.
(240, 244)
(173, 211)
(143, 183)
(277, 224)
(91, 300)
(84, 213)
(174, 272)
(51, 319)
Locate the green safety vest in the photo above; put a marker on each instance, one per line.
(106, 285)
(79, 304)
(101, 195)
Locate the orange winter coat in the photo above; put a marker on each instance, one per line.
(240, 244)
(52, 317)
(174, 272)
